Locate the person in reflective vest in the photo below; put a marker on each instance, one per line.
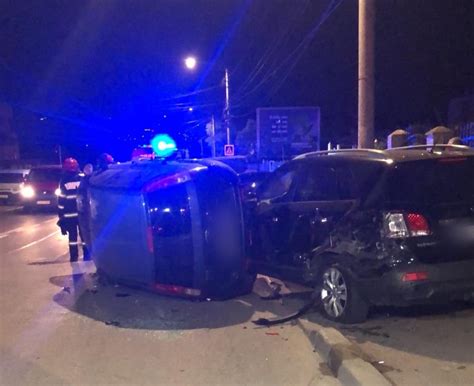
(67, 207)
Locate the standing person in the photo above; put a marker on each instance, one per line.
(103, 162)
(83, 207)
(67, 207)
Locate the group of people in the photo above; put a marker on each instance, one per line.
(73, 198)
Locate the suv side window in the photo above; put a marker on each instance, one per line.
(348, 189)
(280, 183)
(355, 178)
(319, 183)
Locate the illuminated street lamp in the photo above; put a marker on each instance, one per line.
(190, 62)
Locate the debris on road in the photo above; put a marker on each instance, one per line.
(122, 295)
(297, 314)
(112, 323)
(272, 333)
(267, 289)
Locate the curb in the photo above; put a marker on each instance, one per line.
(346, 360)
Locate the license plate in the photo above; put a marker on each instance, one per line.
(43, 202)
(3, 195)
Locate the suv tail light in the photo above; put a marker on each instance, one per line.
(400, 225)
(417, 224)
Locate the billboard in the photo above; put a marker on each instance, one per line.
(283, 132)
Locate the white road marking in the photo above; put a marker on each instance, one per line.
(34, 242)
(25, 228)
(4, 210)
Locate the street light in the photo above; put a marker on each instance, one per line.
(190, 62)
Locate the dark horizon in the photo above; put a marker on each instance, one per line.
(100, 70)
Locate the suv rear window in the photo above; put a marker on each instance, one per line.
(44, 175)
(11, 178)
(432, 181)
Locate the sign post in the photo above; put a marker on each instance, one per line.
(229, 150)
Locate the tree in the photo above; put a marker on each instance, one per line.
(246, 139)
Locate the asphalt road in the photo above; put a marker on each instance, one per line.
(429, 345)
(58, 325)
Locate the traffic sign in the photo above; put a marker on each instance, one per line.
(229, 150)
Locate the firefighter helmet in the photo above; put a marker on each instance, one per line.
(70, 165)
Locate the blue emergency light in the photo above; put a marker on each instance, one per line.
(163, 145)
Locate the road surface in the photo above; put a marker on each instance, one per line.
(59, 326)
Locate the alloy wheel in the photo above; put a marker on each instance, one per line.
(334, 292)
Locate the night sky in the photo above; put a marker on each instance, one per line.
(100, 70)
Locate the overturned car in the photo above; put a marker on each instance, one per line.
(174, 227)
(369, 227)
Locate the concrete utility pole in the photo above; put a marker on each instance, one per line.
(213, 141)
(366, 74)
(227, 106)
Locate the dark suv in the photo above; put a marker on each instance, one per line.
(369, 227)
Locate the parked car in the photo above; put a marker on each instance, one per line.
(41, 187)
(11, 181)
(369, 227)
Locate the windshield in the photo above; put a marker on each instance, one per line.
(11, 178)
(432, 181)
(44, 175)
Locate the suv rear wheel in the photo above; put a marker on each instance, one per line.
(340, 299)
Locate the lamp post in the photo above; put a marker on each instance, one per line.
(227, 106)
(190, 62)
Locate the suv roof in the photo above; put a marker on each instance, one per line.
(400, 154)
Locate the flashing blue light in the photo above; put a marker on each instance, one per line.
(163, 145)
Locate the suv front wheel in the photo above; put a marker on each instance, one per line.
(340, 299)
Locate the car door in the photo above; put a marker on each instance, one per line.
(272, 221)
(318, 204)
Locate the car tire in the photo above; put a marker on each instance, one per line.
(339, 296)
(240, 287)
(246, 284)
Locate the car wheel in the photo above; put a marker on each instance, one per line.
(340, 298)
(233, 288)
(247, 283)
